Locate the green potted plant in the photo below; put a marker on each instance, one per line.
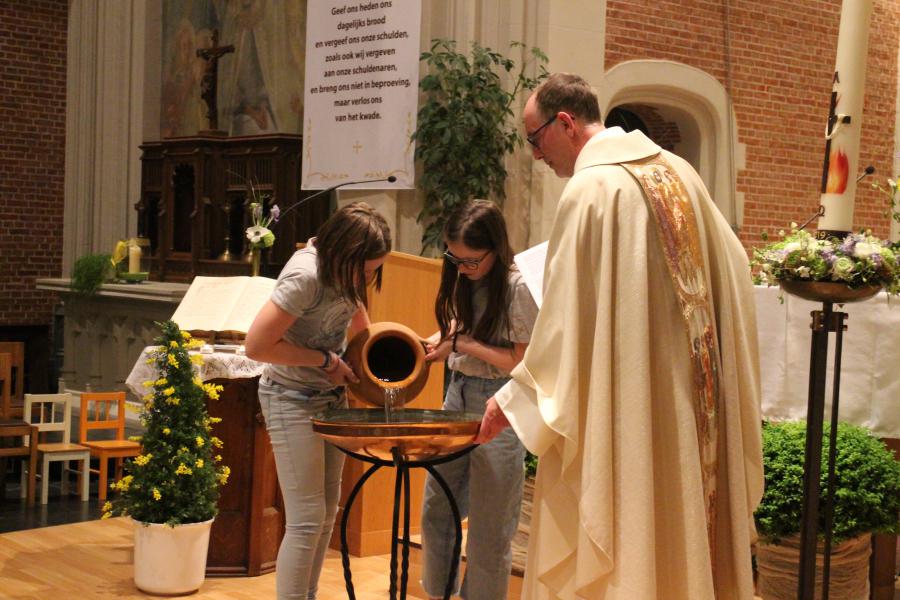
(867, 500)
(464, 127)
(171, 489)
(90, 271)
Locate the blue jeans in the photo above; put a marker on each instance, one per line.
(309, 473)
(487, 485)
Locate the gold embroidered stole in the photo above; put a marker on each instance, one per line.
(676, 226)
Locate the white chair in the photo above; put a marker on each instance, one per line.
(52, 414)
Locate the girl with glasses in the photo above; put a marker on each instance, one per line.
(485, 314)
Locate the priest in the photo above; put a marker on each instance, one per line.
(640, 389)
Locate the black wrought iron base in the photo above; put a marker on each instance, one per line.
(823, 323)
(401, 487)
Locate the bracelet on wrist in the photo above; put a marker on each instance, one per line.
(335, 363)
(327, 359)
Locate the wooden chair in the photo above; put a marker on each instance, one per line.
(52, 414)
(96, 414)
(12, 445)
(16, 351)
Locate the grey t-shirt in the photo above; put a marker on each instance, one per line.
(522, 314)
(322, 319)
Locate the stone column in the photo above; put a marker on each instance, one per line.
(104, 122)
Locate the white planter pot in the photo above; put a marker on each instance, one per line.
(170, 560)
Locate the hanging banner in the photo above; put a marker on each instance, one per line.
(362, 77)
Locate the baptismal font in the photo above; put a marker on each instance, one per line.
(390, 361)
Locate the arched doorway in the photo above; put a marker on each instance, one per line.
(685, 111)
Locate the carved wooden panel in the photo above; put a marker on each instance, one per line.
(248, 529)
(195, 197)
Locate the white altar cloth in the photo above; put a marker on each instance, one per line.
(216, 365)
(870, 360)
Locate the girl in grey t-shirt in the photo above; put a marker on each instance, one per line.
(486, 315)
(301, 333)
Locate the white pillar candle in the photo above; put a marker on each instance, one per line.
(842, 154)
(134, 258)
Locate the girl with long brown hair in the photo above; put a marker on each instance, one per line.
(301, 333)
(485, 314)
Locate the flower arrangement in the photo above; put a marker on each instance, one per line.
(890, 190)
(176, 478)
(258, 234)
(858, 260)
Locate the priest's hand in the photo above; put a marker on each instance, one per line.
(493, 422)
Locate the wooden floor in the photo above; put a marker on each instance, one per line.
(93, 560)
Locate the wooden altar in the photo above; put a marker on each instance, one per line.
(195, 196)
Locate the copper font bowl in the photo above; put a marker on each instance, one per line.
(419, 434)
(829, 291)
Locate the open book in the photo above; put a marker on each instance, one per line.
(223, 303)
(531, 266)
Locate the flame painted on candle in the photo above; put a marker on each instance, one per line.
(838, 172)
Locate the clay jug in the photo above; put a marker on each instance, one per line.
(387, 355)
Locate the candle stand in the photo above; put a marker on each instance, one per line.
(824, 322)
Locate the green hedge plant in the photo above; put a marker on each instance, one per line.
(867, 482)
(90, 271)
(465, 126)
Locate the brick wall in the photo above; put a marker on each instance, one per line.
(665, 133)
(782, 55)
(32, 155)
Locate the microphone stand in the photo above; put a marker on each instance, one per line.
(302, 201)
(328, 190)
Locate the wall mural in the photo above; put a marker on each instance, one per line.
(260, 84)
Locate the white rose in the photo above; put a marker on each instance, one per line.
(865, 250)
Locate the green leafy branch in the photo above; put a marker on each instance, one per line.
(465, 127)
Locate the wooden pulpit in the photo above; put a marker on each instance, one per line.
(248, 529)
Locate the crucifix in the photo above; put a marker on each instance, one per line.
(208, 82)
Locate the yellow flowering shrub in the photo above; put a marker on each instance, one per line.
(177, 477)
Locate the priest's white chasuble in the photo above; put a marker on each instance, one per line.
(639, 390)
